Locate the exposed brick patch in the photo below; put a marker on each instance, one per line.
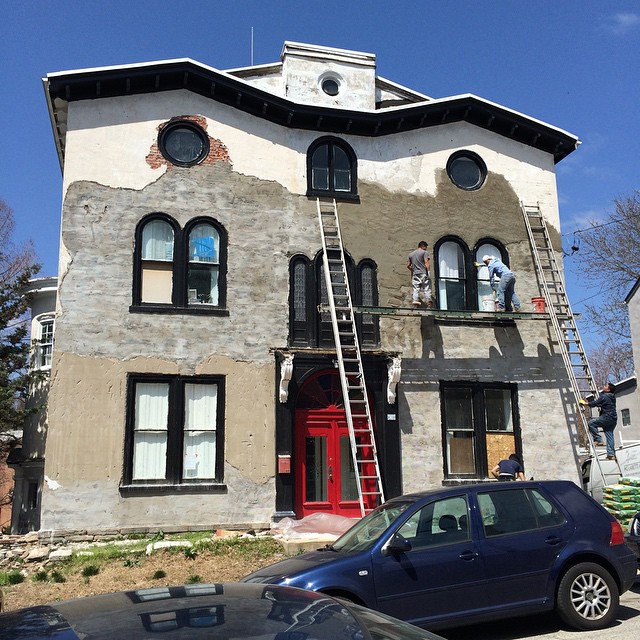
(217, 150)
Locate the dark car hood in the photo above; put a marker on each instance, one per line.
(291, 566)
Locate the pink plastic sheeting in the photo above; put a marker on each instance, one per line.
(316, 523)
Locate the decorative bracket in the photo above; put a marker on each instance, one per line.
(394, 371)
(286, 372)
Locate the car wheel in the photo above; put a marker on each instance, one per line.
(588, 597)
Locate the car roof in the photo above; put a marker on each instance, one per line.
(482, 486)
(241, 610)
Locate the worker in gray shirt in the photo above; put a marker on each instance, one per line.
(418, 264)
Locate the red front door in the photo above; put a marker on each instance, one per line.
(324, 471)
(324, 465)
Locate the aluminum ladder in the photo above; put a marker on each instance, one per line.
(354, 391)
(562, 318)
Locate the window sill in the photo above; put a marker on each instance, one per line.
(461, 482)
(171, 310)
(170, 489)
(337, 195)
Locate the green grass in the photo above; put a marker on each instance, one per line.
(90, 570)
(89, 561)
(10, 577)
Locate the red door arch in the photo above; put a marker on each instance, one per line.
(325, 476)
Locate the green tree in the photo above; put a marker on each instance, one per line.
(16, 268)
(609, 262)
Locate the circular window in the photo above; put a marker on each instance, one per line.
(183, 143)
(466, 170)
(331, 86)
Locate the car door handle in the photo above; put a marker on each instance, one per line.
(553, 540)
(468, 555)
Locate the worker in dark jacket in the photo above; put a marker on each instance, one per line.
(607, 420)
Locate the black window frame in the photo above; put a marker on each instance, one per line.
(191, 126)
(479, 425)
(477, 161)
(471, 272)
(173, 483)
(180, 270)
(309, 328)
(332, 142)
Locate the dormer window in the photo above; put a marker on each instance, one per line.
(331, 169)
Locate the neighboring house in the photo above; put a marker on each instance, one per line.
(8, 443)
(194, 381)
(27, 461)
(627, 404)
(627, 395)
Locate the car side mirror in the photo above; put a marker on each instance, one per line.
(397, 545)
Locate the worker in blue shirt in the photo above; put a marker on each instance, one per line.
(507, 297)
(607, 420)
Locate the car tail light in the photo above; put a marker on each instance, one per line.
(617, 534)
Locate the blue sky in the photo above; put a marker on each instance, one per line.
(571, 63)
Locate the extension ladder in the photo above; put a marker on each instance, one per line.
(354, 391)
(562, 317)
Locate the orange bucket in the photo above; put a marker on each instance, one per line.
(539, 305)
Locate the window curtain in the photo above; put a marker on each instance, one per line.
(157, 241)
(485, 293)
(150, 431)
(451, 275)
(199, 451)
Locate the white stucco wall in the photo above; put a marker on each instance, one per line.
(107, 138)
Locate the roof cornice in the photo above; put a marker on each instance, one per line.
(151, 77)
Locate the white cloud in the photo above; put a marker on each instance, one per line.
(623, 22)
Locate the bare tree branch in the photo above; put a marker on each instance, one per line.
(609, 262)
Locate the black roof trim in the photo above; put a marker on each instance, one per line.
(186, 74)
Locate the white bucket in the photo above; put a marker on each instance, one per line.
(489, 304)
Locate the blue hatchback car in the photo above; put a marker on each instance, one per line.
(468, 554)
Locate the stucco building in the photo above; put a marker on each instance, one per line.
(627, 394)
(27, 460)
(193, 376)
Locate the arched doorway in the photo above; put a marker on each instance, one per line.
(326, 480)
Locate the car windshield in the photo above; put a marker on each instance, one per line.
(367, 531)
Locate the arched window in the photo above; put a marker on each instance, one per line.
(485, 292)
(157, 262)
(179, 268)
(452, 275)
(204, 264)
(460, 284)
(331, 169)
(368, 297)
(307, 290)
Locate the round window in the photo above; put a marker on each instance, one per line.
(183, 143)
(466, 170)
(331, 86)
